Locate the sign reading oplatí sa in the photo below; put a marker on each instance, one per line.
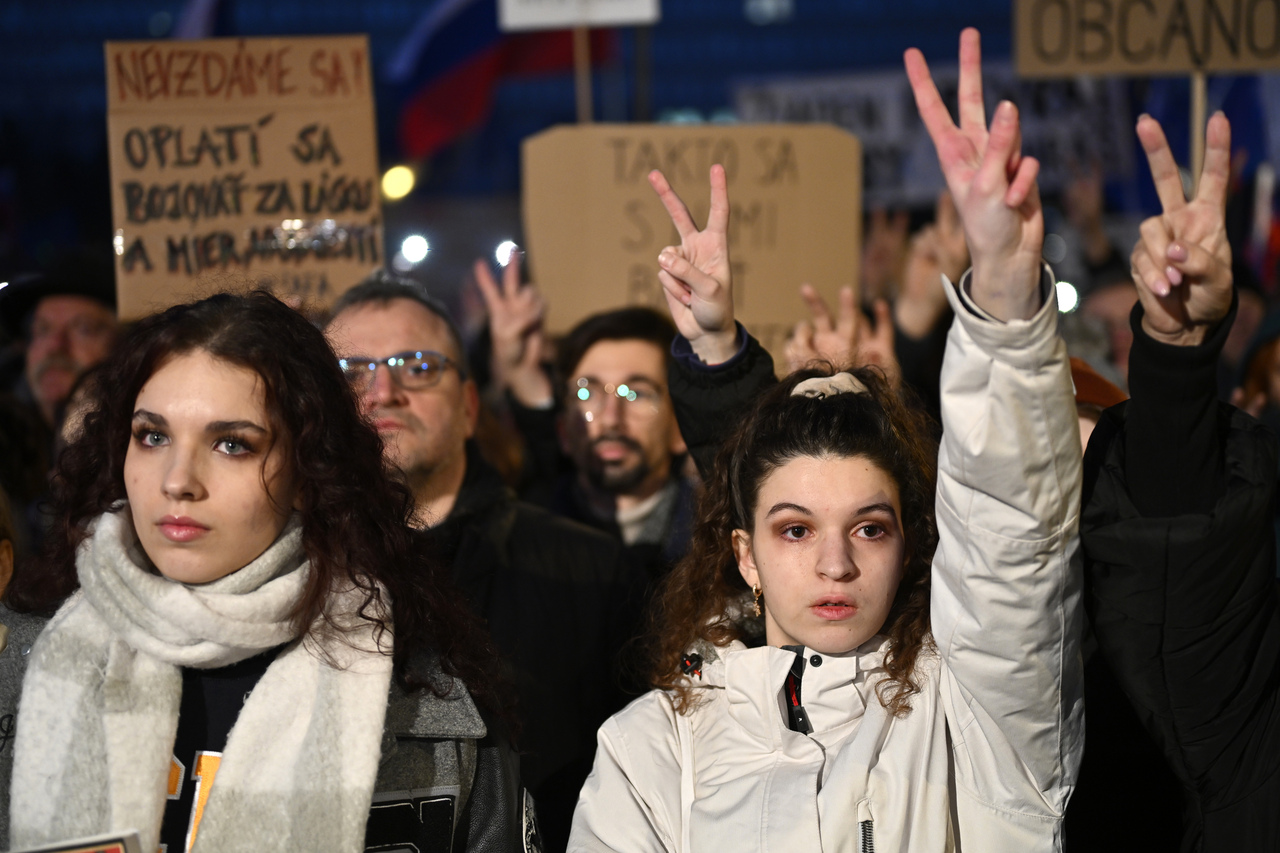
(241, 161)
(565, 14)
(1145, 37)
(594, 226)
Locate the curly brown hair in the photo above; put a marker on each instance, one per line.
(355, 512)
(701, 600)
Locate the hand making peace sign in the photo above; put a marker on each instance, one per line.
(1182, 263)
(695, 275)
(993, 185)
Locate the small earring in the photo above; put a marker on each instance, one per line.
(757, 592)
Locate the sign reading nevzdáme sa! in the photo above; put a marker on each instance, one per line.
(594, 226)
(241, 160)
(1145, 37)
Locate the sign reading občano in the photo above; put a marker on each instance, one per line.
(1145, 37)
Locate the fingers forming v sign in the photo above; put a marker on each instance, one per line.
(993, 185)
(515, 326)
(823, 338)
(1182, 263)
(696, 277)
(850, 340)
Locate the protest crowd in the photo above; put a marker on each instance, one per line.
(947, 565)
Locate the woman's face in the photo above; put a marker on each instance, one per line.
(827, 550)
(209, 483)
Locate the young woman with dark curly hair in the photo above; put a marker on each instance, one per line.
(834, 672)
(250, 655)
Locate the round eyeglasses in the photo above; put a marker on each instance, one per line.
(640, 398)
(412, 370)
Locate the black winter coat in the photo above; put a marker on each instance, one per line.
(1180, 559)
(561, 601)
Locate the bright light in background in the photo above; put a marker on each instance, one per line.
(503, 252)
(415, 248)
(1068, 297)
(117, 242)
(397, 182)
(3, 285)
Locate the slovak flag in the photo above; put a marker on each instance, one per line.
(454, 58)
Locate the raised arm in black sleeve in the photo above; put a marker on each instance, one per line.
(1174, 451)
(709, 398)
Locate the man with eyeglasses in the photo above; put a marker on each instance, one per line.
(618, 431)
(559, 598)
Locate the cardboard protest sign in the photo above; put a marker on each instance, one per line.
(565, 14)
(241, 160)
(1066, 124)
(1145, 37)
(594, 226)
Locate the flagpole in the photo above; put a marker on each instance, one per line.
(582, 72)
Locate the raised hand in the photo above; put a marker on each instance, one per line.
(993, 185)
(850, 340)
(516, 312)
(937, 249)
(822, 338)
(1182, 262)
(949, 246)
(695, 276)
(884, 253)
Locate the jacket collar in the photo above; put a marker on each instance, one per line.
(834, 693)
(423, 714)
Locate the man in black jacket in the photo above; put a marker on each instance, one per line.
(560, 599)
(1176, 525)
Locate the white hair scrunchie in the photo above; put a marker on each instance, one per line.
(828, 386)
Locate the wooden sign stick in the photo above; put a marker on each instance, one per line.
(582, 72)
(1199, 101)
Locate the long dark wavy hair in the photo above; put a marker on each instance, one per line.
(702, 600)
(355, 512)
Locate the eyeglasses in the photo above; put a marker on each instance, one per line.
(411, 370)
(640, 398)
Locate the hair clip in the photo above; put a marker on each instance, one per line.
(828, 386)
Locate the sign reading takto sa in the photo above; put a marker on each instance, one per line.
(594, 226)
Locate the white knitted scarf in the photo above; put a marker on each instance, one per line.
(99, 706)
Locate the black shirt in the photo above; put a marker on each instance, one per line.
(211, 703)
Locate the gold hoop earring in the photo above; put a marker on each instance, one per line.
(757, 592)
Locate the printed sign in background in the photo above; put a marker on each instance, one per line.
(1067, 124)
(1145, 37)
(594, 226)
(564, 14)
(241, 160)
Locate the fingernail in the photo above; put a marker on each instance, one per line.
(1174, 276)
(1005, 110)
(1177, 252)
(1161, 287)
(664, 258)
(1144, 115)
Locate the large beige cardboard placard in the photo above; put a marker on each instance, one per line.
(239, 161)
(1145, 37)
(594, 226)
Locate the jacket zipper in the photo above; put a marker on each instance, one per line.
(866, 826)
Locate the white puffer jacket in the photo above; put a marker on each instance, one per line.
(987, 758)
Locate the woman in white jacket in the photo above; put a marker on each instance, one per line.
(904, 699)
